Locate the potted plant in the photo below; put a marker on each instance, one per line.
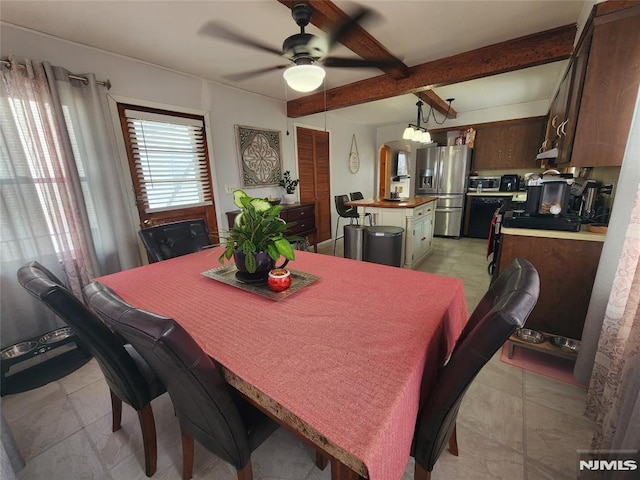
(289, 186)
(257, 238)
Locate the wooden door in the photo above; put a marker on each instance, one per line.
(384, 180)
(314, 175)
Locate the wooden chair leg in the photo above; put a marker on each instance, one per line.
(187, 454)
(420, 473)
(321, 461)
(453, 442)
(116, 412)
(246, 472)
(148, 427)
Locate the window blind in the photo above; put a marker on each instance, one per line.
(171, 165)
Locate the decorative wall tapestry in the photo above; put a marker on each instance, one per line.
(259, 156)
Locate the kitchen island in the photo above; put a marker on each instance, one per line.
(413, 214)
(567, 263)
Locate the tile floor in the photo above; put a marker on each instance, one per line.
(512, 425)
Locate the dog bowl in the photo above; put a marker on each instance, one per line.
(566, 344)
(528, 335)
(56, 336)
(18, 350)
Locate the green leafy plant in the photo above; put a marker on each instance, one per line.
(258, 228)
(288, 184)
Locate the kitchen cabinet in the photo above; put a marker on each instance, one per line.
(590, 116)
(609, 90)
(302, 213)
(567, 263)
(509, 144)
(415, 215)
(422, 237)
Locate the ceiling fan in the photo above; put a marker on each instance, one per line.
(307, 53)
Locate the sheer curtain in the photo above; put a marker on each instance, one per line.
(62, 201)
(612, 399)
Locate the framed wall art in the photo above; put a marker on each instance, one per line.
(259, 156)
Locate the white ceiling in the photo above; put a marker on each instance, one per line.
(165, 33)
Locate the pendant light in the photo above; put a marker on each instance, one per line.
(420, 134)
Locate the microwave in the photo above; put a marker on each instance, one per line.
(484, 184)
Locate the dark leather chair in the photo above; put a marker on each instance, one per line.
(208, 409)
(129, 377)
(503, 309)
(175, 239)
(343, 212)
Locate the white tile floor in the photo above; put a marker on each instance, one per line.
(512, 425)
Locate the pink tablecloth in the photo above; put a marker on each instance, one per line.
(345, 354)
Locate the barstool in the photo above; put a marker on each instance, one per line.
(343, 212)
(359, 196)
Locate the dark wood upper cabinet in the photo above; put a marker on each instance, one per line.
(610, 88)
(509, 144)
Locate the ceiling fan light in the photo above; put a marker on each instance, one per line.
(304, 78)
(408, 133)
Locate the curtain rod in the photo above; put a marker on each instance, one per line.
(84, 80)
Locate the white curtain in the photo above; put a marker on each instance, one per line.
(62, 201)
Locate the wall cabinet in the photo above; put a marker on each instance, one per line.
(590, 116)
(510, 144)
(610, 89)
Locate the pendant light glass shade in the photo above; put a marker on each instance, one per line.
(408, 133)
(304, 78)
(426, 137)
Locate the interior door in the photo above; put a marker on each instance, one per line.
(314, 175)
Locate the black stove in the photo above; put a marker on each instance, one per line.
(520, 219)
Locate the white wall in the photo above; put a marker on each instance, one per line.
(227, 106)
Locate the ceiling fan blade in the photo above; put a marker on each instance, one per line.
(238, 77)
(341, 62)
(342, 29)
(218, 30)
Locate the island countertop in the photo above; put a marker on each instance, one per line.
(404, 202)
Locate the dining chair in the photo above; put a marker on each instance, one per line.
(175, 239)
(343, 212)
(128, 376)
(503, 309)
(208, 409)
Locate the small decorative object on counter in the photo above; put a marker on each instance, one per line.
(279, 279)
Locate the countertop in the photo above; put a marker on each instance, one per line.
(583, 234)
(405, 202)
(495, 194)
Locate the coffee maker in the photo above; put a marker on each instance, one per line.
(584, 194)
(548, 196)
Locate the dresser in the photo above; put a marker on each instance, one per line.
(304, 216)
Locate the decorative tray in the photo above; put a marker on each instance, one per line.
(227, 274)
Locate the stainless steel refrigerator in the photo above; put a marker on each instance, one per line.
(443, 172)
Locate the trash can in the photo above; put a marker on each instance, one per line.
(383, 245)
(353, 241)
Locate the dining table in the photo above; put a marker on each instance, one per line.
(344, 358)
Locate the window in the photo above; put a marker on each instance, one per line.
(169, 164)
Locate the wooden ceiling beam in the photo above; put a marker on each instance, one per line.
(528, 51)
(430, 98)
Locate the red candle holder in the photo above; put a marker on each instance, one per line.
(279, 279)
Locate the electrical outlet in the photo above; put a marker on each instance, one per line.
(229, 188)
